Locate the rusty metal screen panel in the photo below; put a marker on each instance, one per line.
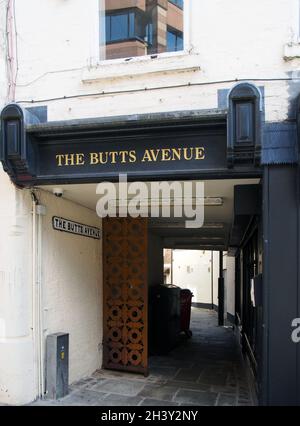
(125, 339)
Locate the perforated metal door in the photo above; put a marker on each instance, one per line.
(125, 340)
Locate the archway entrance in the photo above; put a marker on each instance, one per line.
(133, 266)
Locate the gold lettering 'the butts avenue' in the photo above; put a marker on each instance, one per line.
(173, 154)
(124, 157)
(70, 160)
(113, 157)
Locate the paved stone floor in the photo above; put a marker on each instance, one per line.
(205, 370)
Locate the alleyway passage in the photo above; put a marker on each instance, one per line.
(205, 370)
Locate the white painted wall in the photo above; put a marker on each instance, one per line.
(17, 372)
(230, 285)
(17, 369)
(192, 270)
(72, 285)
(59, 56)
(199, 272)
(72, 291)
(216, 258)
(3, 63)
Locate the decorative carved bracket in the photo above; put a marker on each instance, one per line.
(244, 125)
(16, 152)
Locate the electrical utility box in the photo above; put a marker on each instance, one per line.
(57, 374)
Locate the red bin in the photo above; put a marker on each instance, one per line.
(185, 311)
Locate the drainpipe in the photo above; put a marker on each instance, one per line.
(37, 303)
(34, 298)
(40, 305)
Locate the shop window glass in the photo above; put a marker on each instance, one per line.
(174, 40)
(143, 27)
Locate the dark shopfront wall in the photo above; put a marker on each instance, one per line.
(271, 247)
(281, 298)
(248, 299)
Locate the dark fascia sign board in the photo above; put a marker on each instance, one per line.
(71, 227)
(184, 145)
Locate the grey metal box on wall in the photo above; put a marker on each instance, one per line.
(57, 365)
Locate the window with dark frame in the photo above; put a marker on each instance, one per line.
(174, 40)
(137, 30)
(121, 26)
